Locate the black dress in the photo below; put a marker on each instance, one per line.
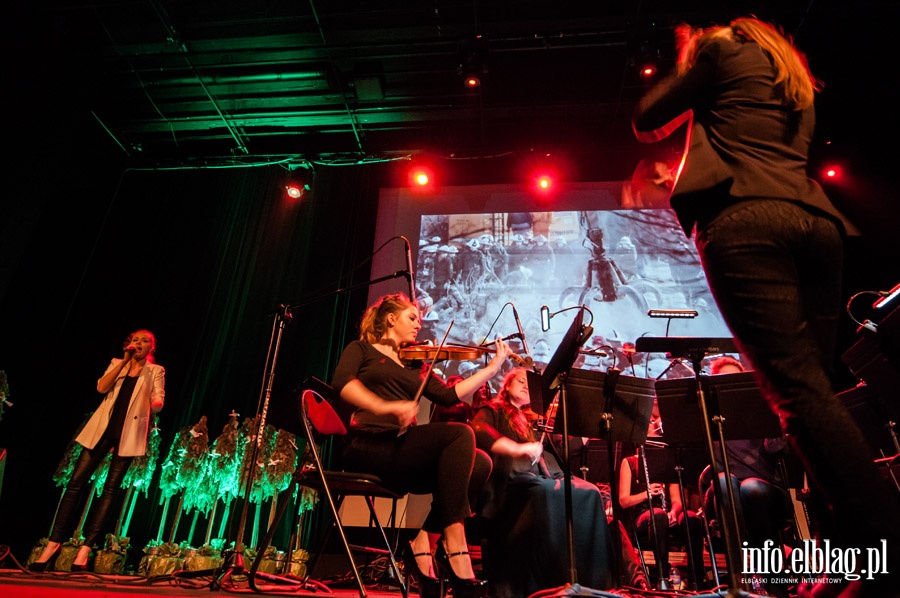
(525, 547)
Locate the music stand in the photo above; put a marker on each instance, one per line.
(695, 349)
(664, 461)
(613, 407)
(552, 378)
(734, 397)
(738, 410)
(873, 419)
(536, 392)
(631, 408)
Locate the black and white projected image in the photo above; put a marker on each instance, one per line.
(618, 263)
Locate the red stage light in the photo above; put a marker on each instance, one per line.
(296, 190)
(544, 182)
(421, 176)
(648, 70)
(472, 82)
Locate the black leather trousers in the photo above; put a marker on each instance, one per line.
(80, 488)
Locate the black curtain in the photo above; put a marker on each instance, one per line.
(204, 258)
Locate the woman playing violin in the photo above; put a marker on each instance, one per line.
(525, 549)
(438, 459)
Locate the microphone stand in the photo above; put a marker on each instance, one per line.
(234, 562)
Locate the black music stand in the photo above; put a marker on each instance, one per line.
(671, 465)
(613, 407)
(734, 397)
(630, 408)
(553, 379)
(695, 349)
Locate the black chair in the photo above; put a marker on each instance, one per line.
(320, 421)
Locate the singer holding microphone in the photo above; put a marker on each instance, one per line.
(133, 387)
(437, 458)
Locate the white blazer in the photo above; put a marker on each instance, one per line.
(148, 397)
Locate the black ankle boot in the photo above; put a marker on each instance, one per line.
(462, 588)
(428, 586)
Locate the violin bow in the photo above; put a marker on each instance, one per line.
(427, 375)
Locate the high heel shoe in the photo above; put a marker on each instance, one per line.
(429, 587)
(76, 568)
(45, 566)
(462, 588)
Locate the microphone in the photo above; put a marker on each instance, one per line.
(130, 349)
(519, 326)
(409, 271)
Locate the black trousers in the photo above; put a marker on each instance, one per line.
(677, 533)
(774, 268)
(438, 459)
(80, 487)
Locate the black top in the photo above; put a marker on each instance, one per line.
(490, 424)
(387, 379)
(639, 486)
(120, 409)
(745, 141)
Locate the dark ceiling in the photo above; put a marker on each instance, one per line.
(180, 81)
(221, 81)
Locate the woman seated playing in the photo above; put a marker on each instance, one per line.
(525, 548)
(438, 459)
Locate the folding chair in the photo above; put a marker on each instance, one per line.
(320, 421)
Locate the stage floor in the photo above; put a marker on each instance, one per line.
(21, 584)
(15, 583)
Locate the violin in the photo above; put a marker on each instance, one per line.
(430, 352)
(531, 415)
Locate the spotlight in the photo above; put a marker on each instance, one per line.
(298, 179)
(296, 190)
(545, 180)
(645, 59)
(420, 176)
(472, 61)
(472, 81)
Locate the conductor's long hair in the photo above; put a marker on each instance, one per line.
(792, 75)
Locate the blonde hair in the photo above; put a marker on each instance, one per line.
(792, 75)
(374, 322)
(150, 356)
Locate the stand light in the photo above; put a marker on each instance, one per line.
(546, 314)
